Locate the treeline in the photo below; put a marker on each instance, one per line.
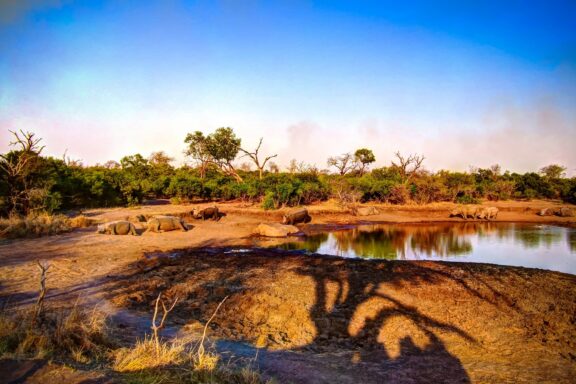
(30, 182)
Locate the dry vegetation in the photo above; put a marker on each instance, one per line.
(34, 225)
(83, 336)
(75, 333)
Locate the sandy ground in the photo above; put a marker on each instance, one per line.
(91, 266)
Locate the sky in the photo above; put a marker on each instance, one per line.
(464, 83)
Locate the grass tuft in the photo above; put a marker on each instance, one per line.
(82, 221)
(70, 333)
(33, 226)
(146, 355)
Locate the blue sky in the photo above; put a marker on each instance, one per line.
(464, 83)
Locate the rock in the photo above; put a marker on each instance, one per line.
(276, 230)
(565, 212)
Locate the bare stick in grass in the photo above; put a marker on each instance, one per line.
(166, 311)
(40, 302)
(201, 347)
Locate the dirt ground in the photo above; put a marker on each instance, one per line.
(321, 319)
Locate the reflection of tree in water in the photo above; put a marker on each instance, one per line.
(392, 241)
(537, 237)
(311, 243)
(386, 241)
(440, 241)
(572, 240)
(378, 244)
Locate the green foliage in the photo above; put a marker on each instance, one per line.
(466, 199)
(553, 171)
(49, 185)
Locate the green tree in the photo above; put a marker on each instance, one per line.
(553, 171)
(198, 151)
(364, 157)
(219, 148)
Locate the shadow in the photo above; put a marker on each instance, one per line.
(18, 372)
(357, 315)
(154, 202)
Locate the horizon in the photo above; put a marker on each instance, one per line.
(463, 85)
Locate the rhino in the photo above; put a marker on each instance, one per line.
(562, 212)
(547, 212)
(488, 213)
(465, 212)
(206, 213)
(141, 218)
(365, 211)
(161, 224)
(296, 216)
(119, 227)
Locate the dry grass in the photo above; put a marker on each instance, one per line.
(33, 226)
(82, 336)
(147, 355)
(70, 333)
(179, 362)
(82, 221)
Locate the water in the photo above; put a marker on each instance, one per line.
(527, 245)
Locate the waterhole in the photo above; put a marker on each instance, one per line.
(526, 245)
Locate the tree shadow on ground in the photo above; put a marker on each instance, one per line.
(354, 307)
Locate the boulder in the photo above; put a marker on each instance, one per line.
(276, 230)
(565, 212)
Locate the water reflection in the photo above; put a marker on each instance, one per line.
(528, 245)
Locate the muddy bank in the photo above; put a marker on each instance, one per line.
(400, 321)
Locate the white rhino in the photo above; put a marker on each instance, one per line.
(162, 223)
(119, 227)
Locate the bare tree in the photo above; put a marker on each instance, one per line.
(246, 167)
(408, 166)
(74, 163)
(293, 166)
(157, 327)
(17, 166)
(344, 163)
(111, 164)
(273, 167)
(254, 156)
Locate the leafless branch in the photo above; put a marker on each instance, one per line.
(165, 311)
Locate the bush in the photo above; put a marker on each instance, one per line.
(466, 199)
